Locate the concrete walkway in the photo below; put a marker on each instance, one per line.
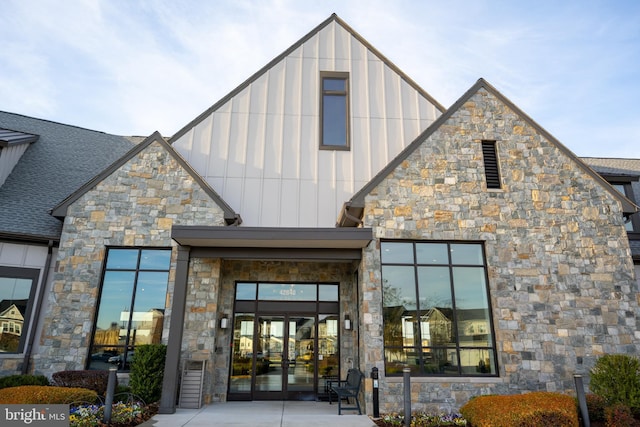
(262, 413)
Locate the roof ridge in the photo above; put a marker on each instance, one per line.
(57, 123)
(610, 158)
(332, 18)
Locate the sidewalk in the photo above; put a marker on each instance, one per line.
(262, 413)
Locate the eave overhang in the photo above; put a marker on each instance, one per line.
(271, 237)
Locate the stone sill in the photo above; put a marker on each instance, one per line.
(11, 355)
(438, 380)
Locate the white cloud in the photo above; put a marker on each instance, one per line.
(135, 67)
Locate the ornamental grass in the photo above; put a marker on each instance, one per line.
(523, 410)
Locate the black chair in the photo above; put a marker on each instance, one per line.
(345, 389)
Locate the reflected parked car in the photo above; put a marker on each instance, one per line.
(117, 360)
(102, 356)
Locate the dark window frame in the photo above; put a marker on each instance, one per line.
(128, 346)
(335, 75)
(626, 183)
(491, 163)
(27, 326)
(418, 350)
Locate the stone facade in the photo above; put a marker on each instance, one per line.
(561, 277)
(271, 271)
(134, 206)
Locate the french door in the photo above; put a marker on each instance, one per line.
(285, 353)
(285, 341)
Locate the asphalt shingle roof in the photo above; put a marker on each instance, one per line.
(58, 163)
(621, 167)
(611, 166)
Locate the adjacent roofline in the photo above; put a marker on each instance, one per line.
(286, 53)
(56, 123)
(356, 203)
(271, 237)
(619, 177)
(24, 238)
(60, 211)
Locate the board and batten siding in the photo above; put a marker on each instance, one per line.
(260, 150)
(9, 157)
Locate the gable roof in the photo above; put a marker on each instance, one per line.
(286, 53)
(63, 159)
(229, 214)
(353, 209)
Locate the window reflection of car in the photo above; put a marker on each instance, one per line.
(102, 357)
(117, 359)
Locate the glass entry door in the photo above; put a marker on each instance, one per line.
(285, 357)
(283, 348)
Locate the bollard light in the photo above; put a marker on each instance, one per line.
(111, 387)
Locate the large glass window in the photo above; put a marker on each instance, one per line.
(334, 108)
(436, 309)
(17, 292)
(132, 302)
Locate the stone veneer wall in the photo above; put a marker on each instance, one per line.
(206, 304)
(561, 278)
(135, 206)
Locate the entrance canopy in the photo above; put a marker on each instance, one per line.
(269, 243)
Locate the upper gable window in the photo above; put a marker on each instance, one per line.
(334, 111)
(491, 169)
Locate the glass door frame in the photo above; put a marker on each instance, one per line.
(291, 361)
(320, 311)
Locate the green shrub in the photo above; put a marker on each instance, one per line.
(93, 380)
(147, 371)
(18, 380)
(522, 410)
(37, 394)
(616, 377)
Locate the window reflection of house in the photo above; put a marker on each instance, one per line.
(11, 324)
(146, 326)
(444, 337)
(147, 329)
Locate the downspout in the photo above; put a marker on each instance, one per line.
(356, 220)
(37, 307)
(358, 317)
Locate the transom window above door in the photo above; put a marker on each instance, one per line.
(287, 291)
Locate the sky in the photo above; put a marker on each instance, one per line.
(132, 67)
